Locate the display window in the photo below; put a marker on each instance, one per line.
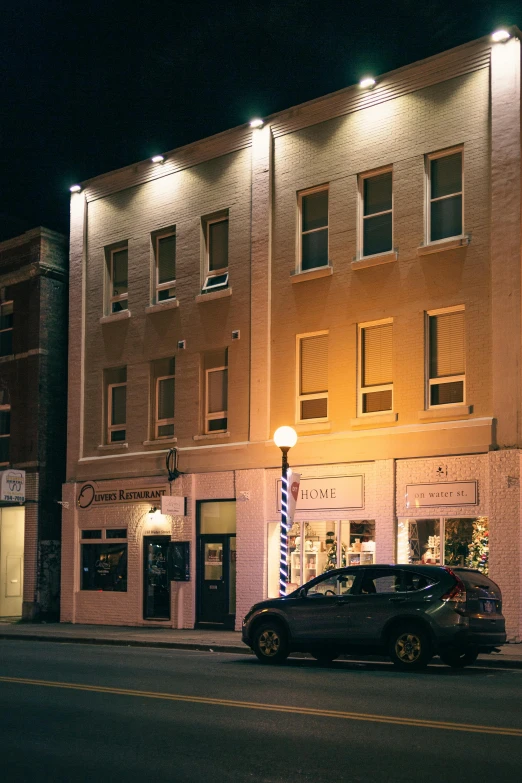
(313, 548)
(104, 565)
(448, 541)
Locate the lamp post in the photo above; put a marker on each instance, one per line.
(285, 438)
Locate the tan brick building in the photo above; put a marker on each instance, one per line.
(351, 268)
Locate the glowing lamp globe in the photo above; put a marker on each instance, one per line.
(285, 437)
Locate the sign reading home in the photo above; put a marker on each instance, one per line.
(12, 486)
(90, 495)
(327, 493)
(454, 493)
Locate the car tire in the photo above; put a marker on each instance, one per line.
(457, 659)
(409, 647)
(270, 644)
(325, 656)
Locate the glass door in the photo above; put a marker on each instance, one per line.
(217, 580)
(156, 582)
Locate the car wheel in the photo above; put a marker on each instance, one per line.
(270, 643)
(325, 656)
(409, 648)
(457, 659)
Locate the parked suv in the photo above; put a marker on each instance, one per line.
(409, 612)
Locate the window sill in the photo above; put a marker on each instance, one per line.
(113, 446)
(313, 428)
(444, 244)
(214, 295)
(160, 441)
(212, 436)
(311, 274)
(376, 260)
(373, 420)
(451, 412)
(169, 304)
(7, 358)
(121, 316)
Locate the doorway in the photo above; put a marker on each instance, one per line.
(216, 564)
(12, 522)
(156, 581)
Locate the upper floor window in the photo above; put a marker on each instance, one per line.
(216, 391)
(165, 265)
(117, 267)
(375, 367)
(5, 432)
(446, 357)
(116, 390)
(216, 253)
(313, 218)
(6, 328)
(312, 368)
(445, 195)
(163, 401)
(376, 225)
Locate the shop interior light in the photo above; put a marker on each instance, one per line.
(75, 188)
(367, 82)
(257, 123)
(158, 159)
(500, 35)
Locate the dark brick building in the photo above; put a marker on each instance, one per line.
(33, 354)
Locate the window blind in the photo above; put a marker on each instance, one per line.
(217, 391)
(167, 259)
(314, 364)
(447, 349)
(166, 398)
(377, 355)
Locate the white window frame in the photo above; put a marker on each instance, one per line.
(118, 297)
(157, 421)
(209, 274)
(302, 397)
(169, 284)
(115, 427)
(300, 233)
(450, 378)
(10, 328)
(6, 409)
(368, 389)
(429, 200)
(219, 414)
(362, 217)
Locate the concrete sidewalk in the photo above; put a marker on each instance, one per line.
(510, 655)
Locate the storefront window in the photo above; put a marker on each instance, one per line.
(104, 567)
(465, 542)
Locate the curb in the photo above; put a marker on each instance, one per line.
(489, 663)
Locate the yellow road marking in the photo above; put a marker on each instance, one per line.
(250, 705)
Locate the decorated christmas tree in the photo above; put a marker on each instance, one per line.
(331, 555)
(479, 547)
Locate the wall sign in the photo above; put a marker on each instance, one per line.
(447, 493)
(90, 495)
(328, 493)
(175, 505)
(12, 486)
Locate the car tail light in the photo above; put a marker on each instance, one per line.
(457, 594)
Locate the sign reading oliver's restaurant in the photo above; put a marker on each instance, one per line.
(90, 495)
(449, 493)
(327, 493)
(12, 486)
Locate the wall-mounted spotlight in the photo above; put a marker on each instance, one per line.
(257, 123)
(158, 159)
(75, 188)
(500, 35)
(367, 82)
(154, 510)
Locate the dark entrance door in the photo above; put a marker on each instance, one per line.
(217, 580)
(156, 582)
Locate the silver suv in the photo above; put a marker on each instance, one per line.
(410, 612)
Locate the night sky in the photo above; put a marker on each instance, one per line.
(89, 87)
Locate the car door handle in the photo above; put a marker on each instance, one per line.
(398, 600)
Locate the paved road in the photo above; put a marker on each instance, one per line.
(71, 713)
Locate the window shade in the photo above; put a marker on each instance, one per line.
(217, 391)
(119, 405)
(447, 350)
(377, 355)
(314, 364)
(167, 259)
(166, 398)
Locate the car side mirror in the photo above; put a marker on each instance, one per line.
(302, 593)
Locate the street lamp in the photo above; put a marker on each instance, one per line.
(285, 438)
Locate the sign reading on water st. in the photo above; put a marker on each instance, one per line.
(448, 493)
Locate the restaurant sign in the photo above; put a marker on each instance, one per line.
(90, 495)
(327, 493)
(448, 493)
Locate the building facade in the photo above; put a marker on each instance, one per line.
(351, 268)
(33, 400)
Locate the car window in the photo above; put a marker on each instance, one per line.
(412, 582)
(337, 584)
(380, 581)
